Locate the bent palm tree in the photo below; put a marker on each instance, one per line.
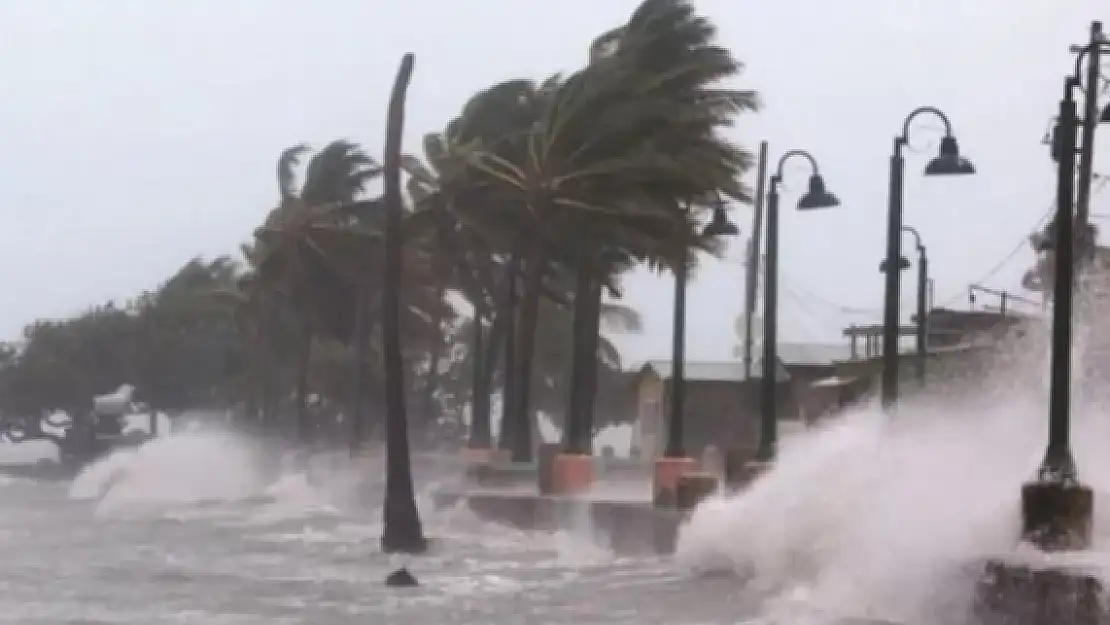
(617, 152)
(294, 243)
(402, 530)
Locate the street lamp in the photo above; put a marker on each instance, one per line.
(920, 330)
(675, 463)
(719, 225)
(947, 163)
(815, 197)
(1057, 510)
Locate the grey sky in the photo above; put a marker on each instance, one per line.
(138, 134)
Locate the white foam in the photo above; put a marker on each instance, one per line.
(185, 468)
(884, 516)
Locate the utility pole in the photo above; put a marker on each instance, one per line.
(1091, 88)
(751, 281)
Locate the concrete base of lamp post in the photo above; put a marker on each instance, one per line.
(1057, 516)
(692, 488)
(1012, 593)
(665, 479)
(571, 474)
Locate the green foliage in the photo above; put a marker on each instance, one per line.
(177, 345)
(578, 178)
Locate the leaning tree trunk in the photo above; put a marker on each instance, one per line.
(527, 318)
(265, 371)
(480, 431)
(509, 378)
(402, 531)
(431, 407)
(304, 362)
(576, 434)
(589, 361)
(360, 371)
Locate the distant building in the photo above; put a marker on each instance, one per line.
(813, 381)
(722, 407)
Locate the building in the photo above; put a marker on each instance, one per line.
(814, 381)
(962, 347)
(722, 407)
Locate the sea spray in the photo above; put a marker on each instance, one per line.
(892, 515)
(185, 468)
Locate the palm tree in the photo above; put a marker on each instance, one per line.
(618, 151)
(295, 243)
(402, 530)
(469, 272)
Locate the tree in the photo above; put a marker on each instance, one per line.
(617, 162)
(295, 241)
(401, 530)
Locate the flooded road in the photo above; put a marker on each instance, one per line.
(147, 538)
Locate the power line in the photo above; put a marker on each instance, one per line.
(1002, 263)
(808, 317)
(1102, 181)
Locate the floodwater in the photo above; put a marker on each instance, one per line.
(185, 531)
(867, 517)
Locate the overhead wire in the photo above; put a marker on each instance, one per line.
(813, 324)
(1101, 180)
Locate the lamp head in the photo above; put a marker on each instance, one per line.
(720, 226)
(949, 161)
(817, 196)
(903, 264)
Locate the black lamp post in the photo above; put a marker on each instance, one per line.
(1056, 509)
(920, 332)
(948, 162)
(816, 197)
(719, 225)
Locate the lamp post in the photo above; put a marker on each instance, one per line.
(816, 197)
(948, 162)
(1056, 509)
(719, 225)
(1093, 52)
(675, 463)
(921, 330)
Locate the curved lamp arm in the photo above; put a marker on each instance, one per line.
(916, 237)
(777, 177)
(1082, 54)
(921, 110)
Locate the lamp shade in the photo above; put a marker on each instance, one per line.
(817, 196)
(949, 161)
(720, 226)
(903, 264)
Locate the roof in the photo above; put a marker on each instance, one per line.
(813, 353)
(720, 371)
(790, 354)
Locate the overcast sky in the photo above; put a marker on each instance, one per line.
(135, 135)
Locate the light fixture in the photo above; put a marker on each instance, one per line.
(949, 161)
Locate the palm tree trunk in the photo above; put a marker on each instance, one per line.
(509, 387)
(361, 372)
(576, 433)
(528, 316)
(304, 361)
(589, 361)
(480, 434)
(402, 530)
(253, 399)
(431, 408)
(265, 371)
